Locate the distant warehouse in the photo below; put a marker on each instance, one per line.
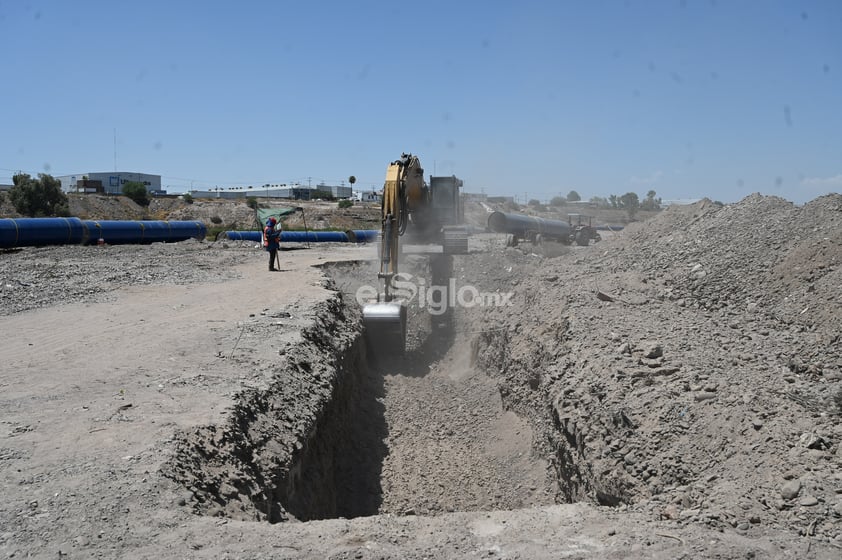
(110, 182)
(290, 192)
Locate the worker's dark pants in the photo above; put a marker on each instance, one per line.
(273, 254)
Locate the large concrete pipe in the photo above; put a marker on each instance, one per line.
(527, 227)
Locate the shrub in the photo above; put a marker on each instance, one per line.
(38, 197)
(137, 192)
(346, 203)
(188, 198)
(216, 220)
(251, 202)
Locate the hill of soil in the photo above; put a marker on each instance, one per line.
(690, 367)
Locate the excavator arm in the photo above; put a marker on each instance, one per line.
(403, 191)
(393, 223)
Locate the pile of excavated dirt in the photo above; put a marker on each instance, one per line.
(690, 368)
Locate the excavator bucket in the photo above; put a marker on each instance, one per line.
(385, 327)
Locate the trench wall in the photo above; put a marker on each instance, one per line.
(306, 447)
(522, 378)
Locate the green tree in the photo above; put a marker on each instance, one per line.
(614, 201)
(650, 203)
(573, 196)
(558, 201)
(630, 203)
(352, 180)
(38, 197)
(251, 202)
(534, 202)
(137, 192)
(188, 198)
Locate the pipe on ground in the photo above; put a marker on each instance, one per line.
(354, 236)
(363, 235)
(116, 232)
(36, 232)
(528, 226)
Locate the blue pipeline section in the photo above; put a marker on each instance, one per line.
(35, 232)
(358, 236)
(314, 236)
(363, 235)
(115, 232)
(242, 235)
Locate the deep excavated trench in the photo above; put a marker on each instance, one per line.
(422, 434)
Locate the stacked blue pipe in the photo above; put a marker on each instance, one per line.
(35, 232)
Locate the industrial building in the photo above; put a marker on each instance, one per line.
(288, 192)
(109, 182)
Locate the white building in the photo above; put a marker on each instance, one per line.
(336, 191)
(366, 196)
(112, 181)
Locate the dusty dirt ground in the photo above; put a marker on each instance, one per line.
(671, 392)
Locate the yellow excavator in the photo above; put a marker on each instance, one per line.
(431, 214)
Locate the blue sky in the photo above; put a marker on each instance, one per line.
(688, 98)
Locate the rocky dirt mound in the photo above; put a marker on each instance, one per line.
(763, 255)
(689, 368)
(214, 213)
(328, 216)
